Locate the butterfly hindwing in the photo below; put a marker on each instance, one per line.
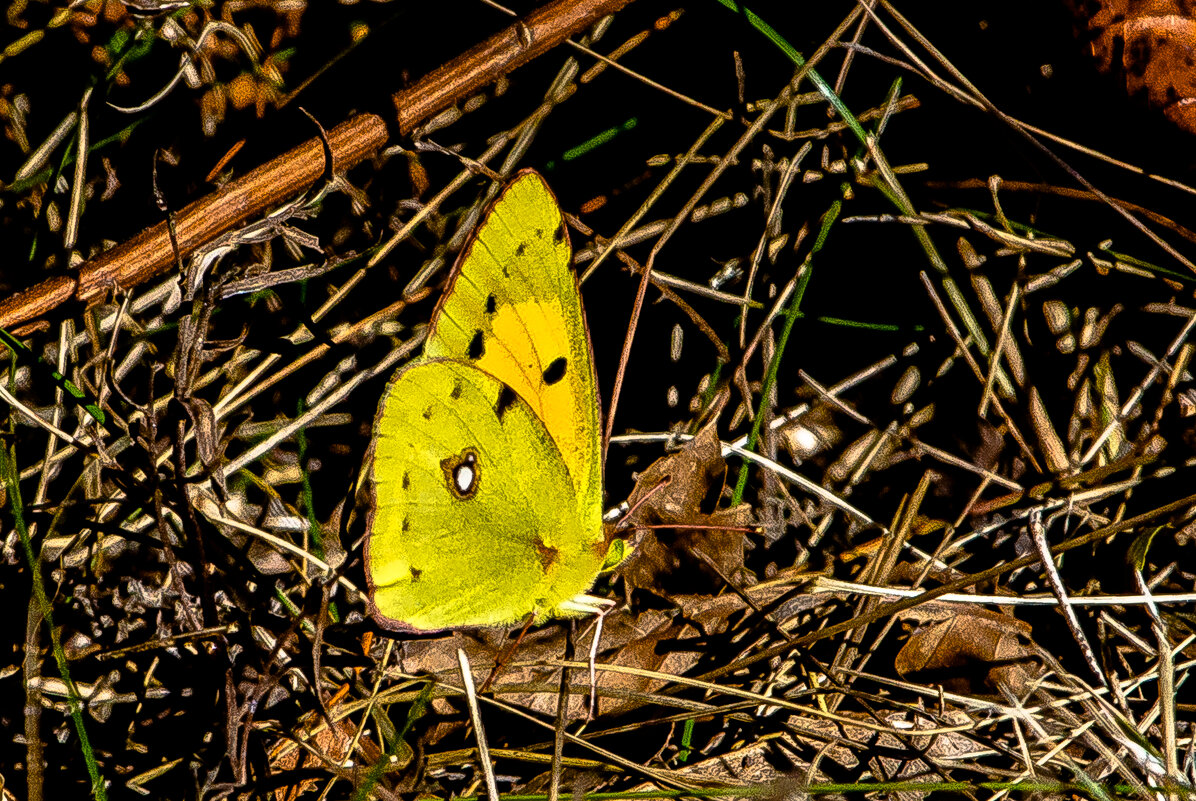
(513, 309)
(475, 520)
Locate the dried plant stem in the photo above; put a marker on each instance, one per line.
(150, 252)
(512, 47)
(621, 236)
(9, 474)
(479, 732)
(646, 276)
(79, 182)
(1038, 534)
(964, 582)
(773, 214)
(971, 360)
(803, 278)
(31, 668)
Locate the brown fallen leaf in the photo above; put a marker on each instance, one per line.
(1149, 46)
(530, 679)
(782, 764)
(324, 747)
(969, 651)
(653, 640)
(683, 490)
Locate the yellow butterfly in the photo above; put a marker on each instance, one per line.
(486, 468)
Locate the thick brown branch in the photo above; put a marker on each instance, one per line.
(544, 28)
(150, 252)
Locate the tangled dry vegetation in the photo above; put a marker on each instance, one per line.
(949, 548)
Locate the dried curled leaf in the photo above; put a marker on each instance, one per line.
(1152, 44)
(683, 490)
(969, 651)
(654, 641)
(317, 745)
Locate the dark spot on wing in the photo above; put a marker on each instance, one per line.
(519, 251)
(506, 396)
(555, 371)
(462, 474)
(559, 236)
(548, 555)
(406, 524)
(415, 574)
(477, 346)
(428, 413)
(456, 393)
(491, 304)
(406, 480)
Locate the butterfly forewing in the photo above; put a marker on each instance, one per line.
(512, 308)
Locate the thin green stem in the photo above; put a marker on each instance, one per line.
(791, 315)
(12, 483)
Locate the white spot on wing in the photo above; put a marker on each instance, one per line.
(464, 477)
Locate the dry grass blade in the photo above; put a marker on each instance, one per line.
(475, 714)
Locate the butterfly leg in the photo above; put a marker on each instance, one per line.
(586, 605)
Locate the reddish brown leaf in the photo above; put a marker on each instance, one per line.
(1150, 43)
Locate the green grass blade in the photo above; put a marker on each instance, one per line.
(11, 477)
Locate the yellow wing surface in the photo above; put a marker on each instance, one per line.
(476, 522)
(486, 467)
(512, 308)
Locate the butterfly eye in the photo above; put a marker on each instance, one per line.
(461, 473)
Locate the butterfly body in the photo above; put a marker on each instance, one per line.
(485, 468)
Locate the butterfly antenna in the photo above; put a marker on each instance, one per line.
(663, 483)
(704, 527)
(507, 653)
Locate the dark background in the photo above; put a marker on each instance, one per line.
(1021, 55)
